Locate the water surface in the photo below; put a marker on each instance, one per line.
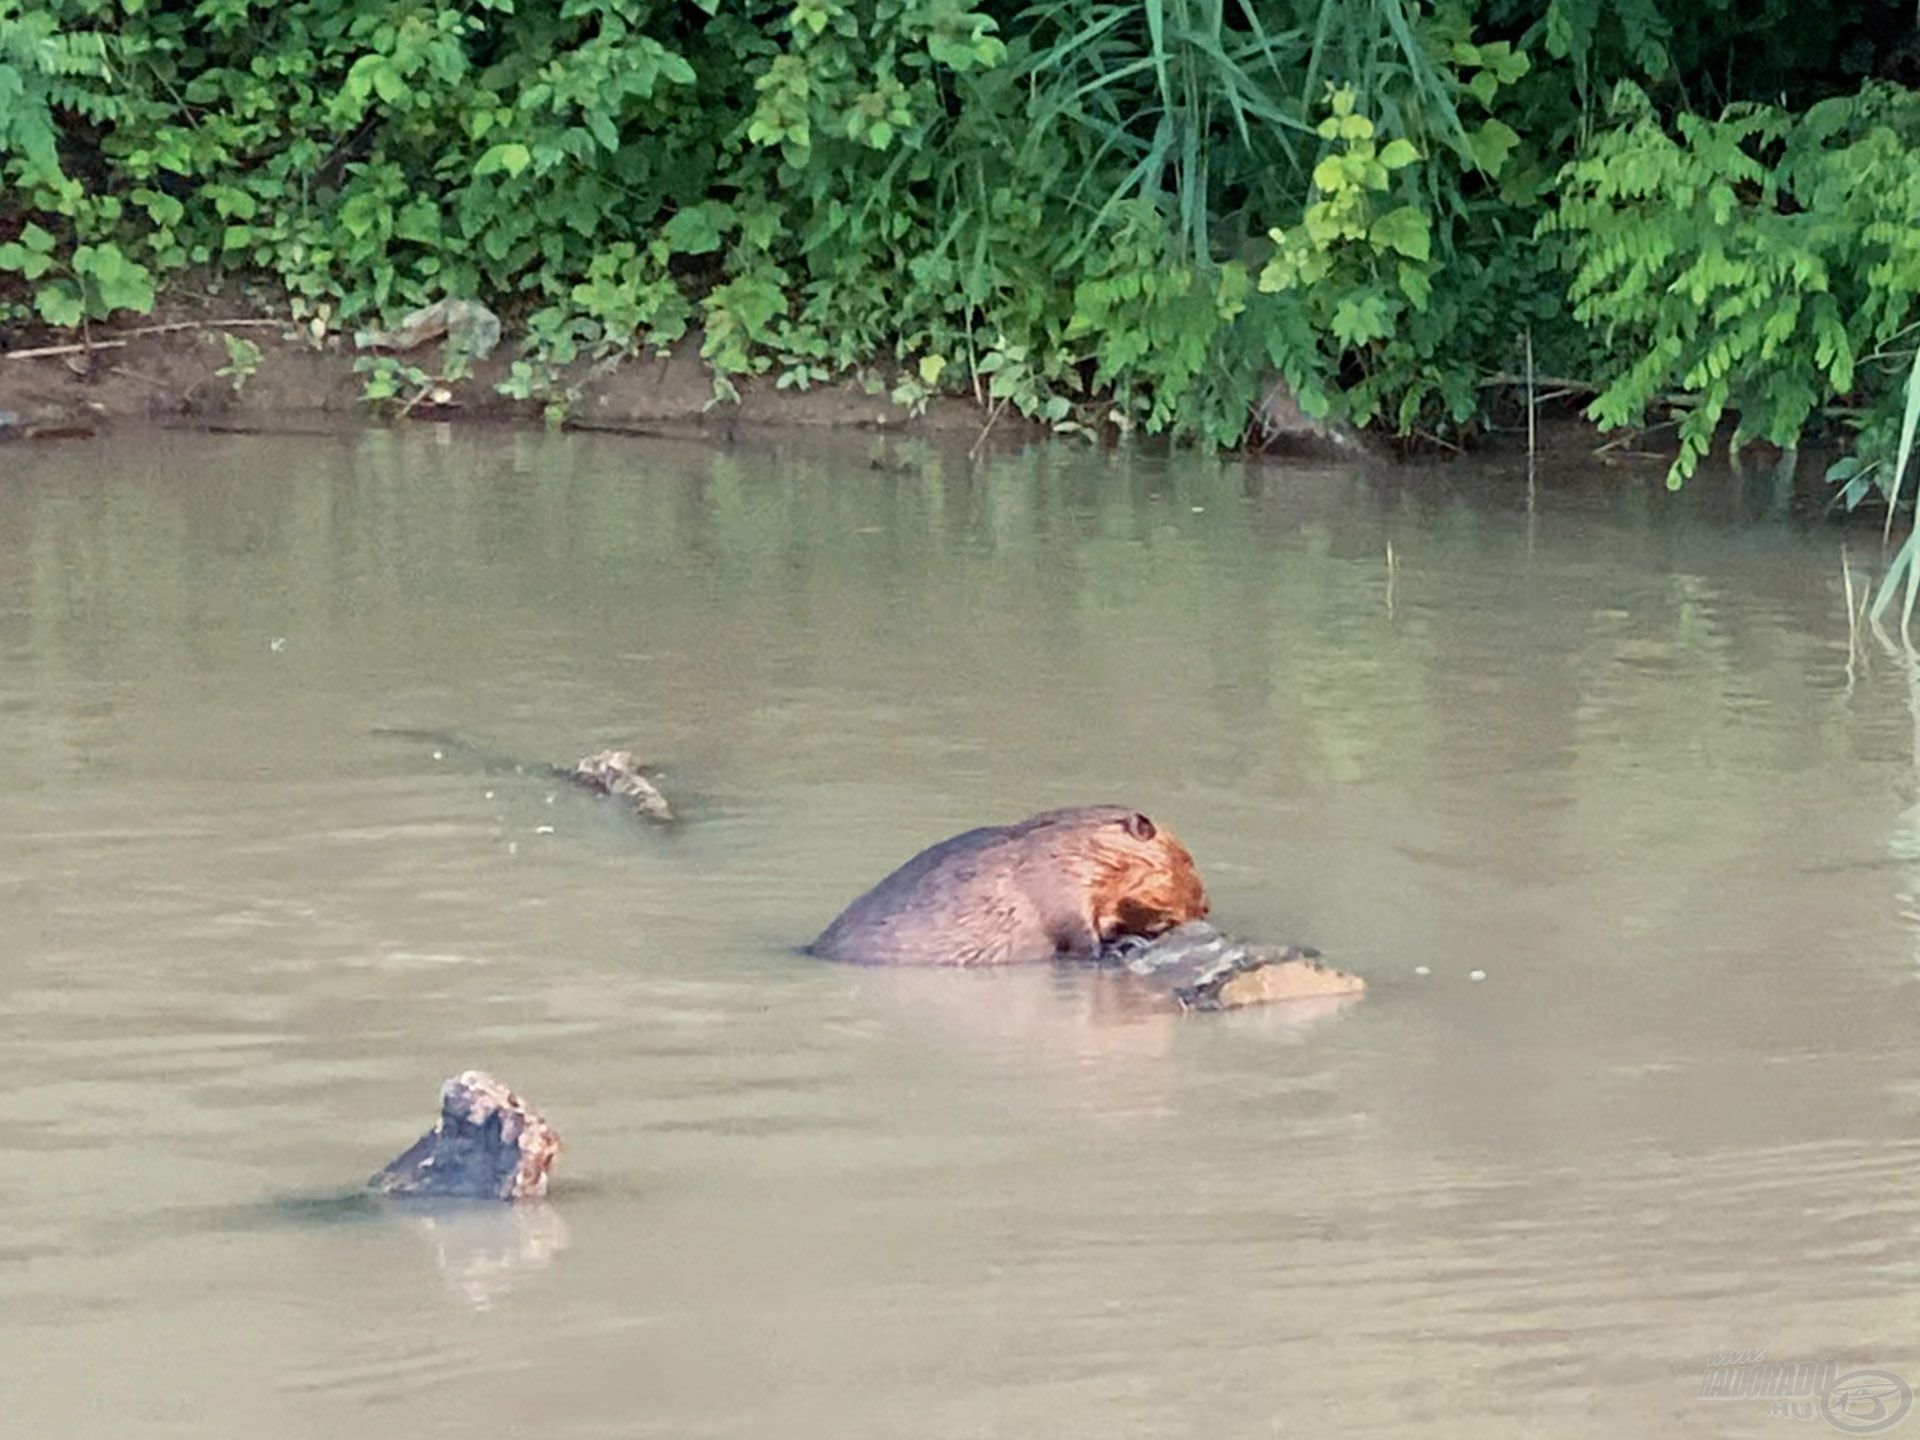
(1615, 752)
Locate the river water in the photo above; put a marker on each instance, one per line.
(1615, 752)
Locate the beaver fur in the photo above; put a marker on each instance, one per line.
(1056, 886)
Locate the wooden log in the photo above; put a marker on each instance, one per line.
(489, 1144)
(1202, 968)
(611, 774)
(615, 774)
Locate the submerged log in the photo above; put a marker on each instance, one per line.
(1205, 969)
(612, 774)
(488, 1145)
(615, 774)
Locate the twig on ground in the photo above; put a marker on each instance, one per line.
(122, 338)
(992, 416)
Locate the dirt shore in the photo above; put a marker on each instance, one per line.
(176, 369)
(169, 369)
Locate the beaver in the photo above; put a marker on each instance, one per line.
(1056, 886)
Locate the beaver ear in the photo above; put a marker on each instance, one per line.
(1140, 827)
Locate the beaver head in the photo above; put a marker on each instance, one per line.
(1138, 879)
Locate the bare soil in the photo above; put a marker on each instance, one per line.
(167, 369)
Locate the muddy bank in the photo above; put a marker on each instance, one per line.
(179, 368)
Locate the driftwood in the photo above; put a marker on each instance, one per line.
(489, 1144)
(615, 774)
(1205, 969)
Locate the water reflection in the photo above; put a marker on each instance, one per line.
(1106, 1028)
(485, 1249)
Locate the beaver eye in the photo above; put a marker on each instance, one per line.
(1140, 827)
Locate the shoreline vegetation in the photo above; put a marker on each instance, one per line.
(1206, 221)
(181, 373)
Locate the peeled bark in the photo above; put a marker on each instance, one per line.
(614, 773)
(1202, 968)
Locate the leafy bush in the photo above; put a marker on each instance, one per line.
(1104, 213)
(1751, 265)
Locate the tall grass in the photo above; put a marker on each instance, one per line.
(1203, 107)
(1903, 569)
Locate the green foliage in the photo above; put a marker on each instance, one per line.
(243, 360)
(1906, 563)
(89, 282)
(389, 379)
(1360, 263)
(1104, 214)
(1410, 271)
(1749, 265)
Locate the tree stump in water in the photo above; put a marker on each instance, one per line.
(1202, 968)
(488, 1145)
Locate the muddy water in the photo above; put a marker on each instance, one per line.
(1613, 754)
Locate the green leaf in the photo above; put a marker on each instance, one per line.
(36, 239)
(1508, 63)
(162, 207)
(418, 221)
(1404, 230)
(362, 213)
(1560, 35)
(1360, 319)
(59, 304)
(118, 282)
(389, 83)
(603, 129)
(511, 157)
(692, 232)
(232, 204)
(1416, 285)
(360, 78)
(1398, 154)
(1490, 145)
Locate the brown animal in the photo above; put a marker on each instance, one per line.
(1059, 885)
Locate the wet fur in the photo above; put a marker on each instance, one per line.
(1057, 885)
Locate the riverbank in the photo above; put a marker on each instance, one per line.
(224, 369)
(182, 367)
